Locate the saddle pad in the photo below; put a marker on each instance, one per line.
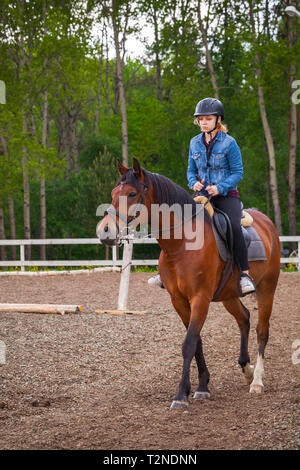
(256, 249)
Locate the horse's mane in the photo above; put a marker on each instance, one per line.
(165, 190)
(168, 192)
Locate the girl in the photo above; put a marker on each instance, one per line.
(214, 169)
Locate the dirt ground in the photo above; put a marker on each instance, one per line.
(97, 381)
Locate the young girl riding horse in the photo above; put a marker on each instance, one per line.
(214, 169)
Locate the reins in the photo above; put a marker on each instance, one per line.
(114, 213)
(175, 226)
(202, 207)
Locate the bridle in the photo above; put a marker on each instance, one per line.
(114, 213)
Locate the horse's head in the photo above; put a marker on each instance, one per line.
(128, 197)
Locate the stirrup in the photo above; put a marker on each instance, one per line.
(242, 294)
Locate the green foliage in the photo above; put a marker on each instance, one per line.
(290, 268)
(63, 57)
(97, 145)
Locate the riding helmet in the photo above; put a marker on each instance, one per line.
(209, 106)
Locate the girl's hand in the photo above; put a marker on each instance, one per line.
(198, 186)
(212, 190)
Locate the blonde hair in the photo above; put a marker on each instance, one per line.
(220, 127)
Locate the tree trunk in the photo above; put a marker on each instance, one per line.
(43, 222)
(116, 94)
(267, 132)
(268, 204)
(292, 37)
(298, 121)
(120, 83)
(26, 188)
(207, 52)
(66, 144)
(271, 151)
(60, 139)
(292, 164)
(10, 204)
(2, 234)
(108, 100)
(73, 138)
(157, 58)
(97, 117)
(12, 226)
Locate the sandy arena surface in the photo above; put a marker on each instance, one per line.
(97, 381)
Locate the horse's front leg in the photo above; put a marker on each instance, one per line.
(202, 390)
(199, 309)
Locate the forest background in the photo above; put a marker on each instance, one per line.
(91, 81)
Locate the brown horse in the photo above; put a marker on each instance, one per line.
(192, 276)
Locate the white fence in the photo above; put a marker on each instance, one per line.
(113, 262)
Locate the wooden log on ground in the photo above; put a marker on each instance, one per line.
(121, 312)
(40, 308)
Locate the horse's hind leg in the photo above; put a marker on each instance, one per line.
(242, 316)
(265, 303)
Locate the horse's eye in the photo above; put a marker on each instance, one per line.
(132, 194)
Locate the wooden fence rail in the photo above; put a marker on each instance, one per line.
(113, 262)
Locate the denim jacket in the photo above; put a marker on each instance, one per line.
(224, 168)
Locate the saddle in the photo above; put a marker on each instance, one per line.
(224, 239)
(246, 219)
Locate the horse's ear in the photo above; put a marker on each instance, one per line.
(136, 167)
(121, 168)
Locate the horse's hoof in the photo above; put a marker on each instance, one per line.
(255, 388)
(179, 404)
(201, 395)
(247, 380)
(248, 374)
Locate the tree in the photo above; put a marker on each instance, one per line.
(209, 61)
(265, 123)
(154, 11)
(117, 12)
(292, 36)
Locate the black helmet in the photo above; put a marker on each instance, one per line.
(209, 106)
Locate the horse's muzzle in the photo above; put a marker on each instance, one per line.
(108, 241)
(106, 234)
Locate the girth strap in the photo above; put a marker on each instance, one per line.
(226, 273)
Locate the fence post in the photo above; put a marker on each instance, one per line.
(114, 255)
(125, 274)
(22, 257)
